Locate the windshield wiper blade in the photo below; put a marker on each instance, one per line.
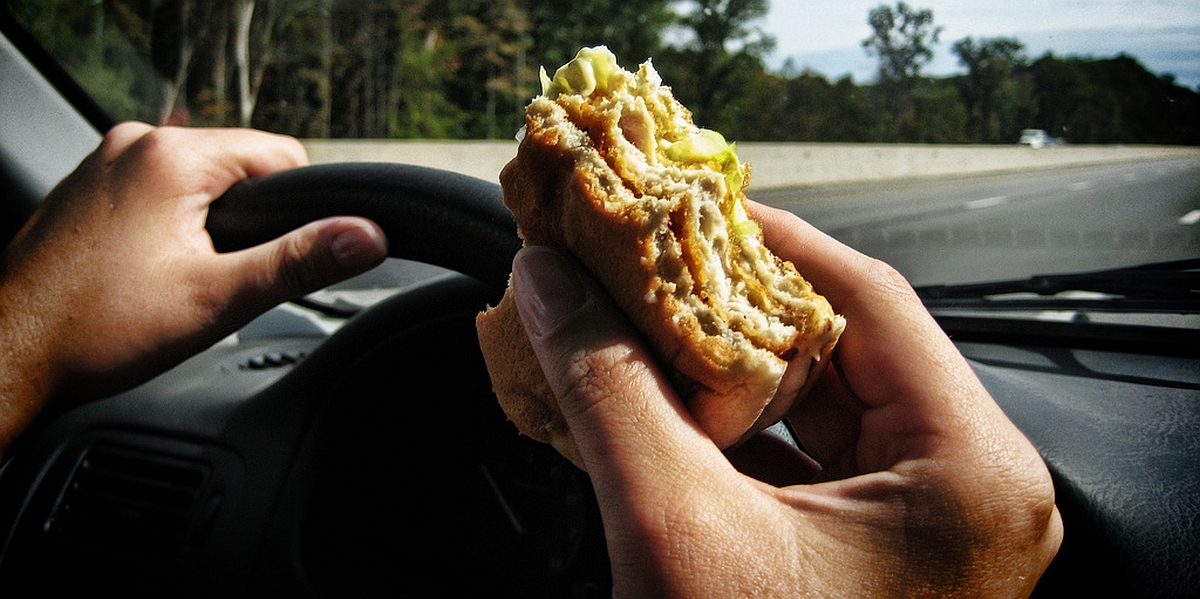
(1161, 286)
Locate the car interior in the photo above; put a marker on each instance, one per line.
(333, 448)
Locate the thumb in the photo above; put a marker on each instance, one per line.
(314, 256)
(628, 423)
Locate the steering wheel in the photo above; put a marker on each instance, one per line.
(402, 486)
(429, 215)
(376, 462)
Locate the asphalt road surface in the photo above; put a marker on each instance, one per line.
(1000, 226)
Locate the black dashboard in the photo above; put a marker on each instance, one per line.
(1120, 433)
(358, 464)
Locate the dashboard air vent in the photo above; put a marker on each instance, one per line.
(134, 500)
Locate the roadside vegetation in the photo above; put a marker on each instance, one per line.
(464, 69)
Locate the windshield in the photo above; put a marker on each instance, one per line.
(957, 141)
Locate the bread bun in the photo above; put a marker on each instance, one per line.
(612, 169)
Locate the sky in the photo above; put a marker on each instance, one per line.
(826, 35)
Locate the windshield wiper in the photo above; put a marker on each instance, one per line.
(1167, 287)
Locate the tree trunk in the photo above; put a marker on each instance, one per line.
(220, 77)
(243, 12)
(323, 126)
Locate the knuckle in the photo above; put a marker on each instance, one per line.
(877, 284)
(294, 149)
(592, 378)
(293, 272)
(584, 383)
(887, 282)
(121, 136)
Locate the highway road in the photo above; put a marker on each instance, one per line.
(988, 227)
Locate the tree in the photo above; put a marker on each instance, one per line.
(941, 114)
(902, 39)
(1112, 100)
(467, 68)
(489, 39)
(632, 29)
(715, 71)
(995, 88)
(805, 106)
(257, 26)
(424, 59)
(178, 28)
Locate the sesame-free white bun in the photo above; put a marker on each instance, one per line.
(611, 169)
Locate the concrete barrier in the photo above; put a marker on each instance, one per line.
(784, 165)
(774, 165)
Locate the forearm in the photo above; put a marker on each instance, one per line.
(28, 375)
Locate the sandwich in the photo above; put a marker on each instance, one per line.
(611, 168)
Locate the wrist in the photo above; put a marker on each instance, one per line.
(28, 373)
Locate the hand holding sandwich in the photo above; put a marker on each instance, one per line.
(928, 489)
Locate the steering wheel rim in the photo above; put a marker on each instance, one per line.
(460, 223)
(414, 205)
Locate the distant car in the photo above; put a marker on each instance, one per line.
(1035, 138)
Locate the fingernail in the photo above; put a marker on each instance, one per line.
(358, 246)
(547, 288)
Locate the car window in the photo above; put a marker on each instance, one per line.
(957, 142)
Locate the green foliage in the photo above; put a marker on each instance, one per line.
(632, 29)
(807, 107)
(902, 38)
(467, 68)
(715, 69)
(89, 41)
(1112, 100)
(996, 90)
(940, 117)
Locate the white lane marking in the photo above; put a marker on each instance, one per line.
(985, 202)
(1190, 218)
(1080, 186)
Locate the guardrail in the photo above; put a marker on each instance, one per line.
(774, 165)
